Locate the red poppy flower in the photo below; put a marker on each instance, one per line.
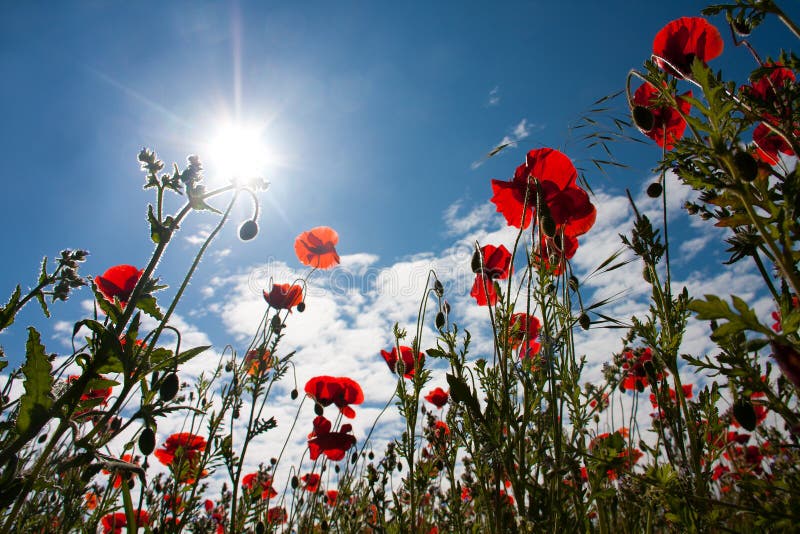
(117, 482)
(635, 375)
(483, 291)
(682, 40)
(316, 248)
(407, 355)
(276, 514)
(668, 124)
(687, 392)
(338, 390)
(524, 328)
(769, 145)
(284, 296)
(438, 397)
(259, 481)
(180, 449)
(101, 394)
(91, 498)
(770, 88)
(311, 482)
(114, 523)
(331, 496)
(569, 205)
(440, 429)
(257, 362)
(495, 262)
(118, 282)
(554, 251)
(334, 445)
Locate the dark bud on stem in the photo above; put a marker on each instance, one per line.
(293, 394)
(584, 321)
(741, 26)
(318, 409)
(438, 288)
(548, 225)
(353, 459)
(169, 387)
(276, 323)
(439, 320)
(476, 262)
(248, 230)
(654, 190)
(643, 118)
(573, 283)
(301, 307)
(295, 482)
(336, 468)
(147, 441)
(746, 166)
(744, 414)
(260, 528)
(371, 455)
(446, 307)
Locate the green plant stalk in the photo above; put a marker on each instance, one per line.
(130, 517)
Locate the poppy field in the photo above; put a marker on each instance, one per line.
(519, 440)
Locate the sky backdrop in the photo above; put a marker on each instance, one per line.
(376, 118)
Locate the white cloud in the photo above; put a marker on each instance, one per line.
(519, 132)
(494, 96)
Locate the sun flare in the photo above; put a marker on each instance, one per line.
(238, 152)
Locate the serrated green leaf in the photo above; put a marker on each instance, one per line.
(8, 312)
(711, 308)
(435, 353)
(36, 401)
(149, 305)
(42, 303)
(43, 272)
(461, 393)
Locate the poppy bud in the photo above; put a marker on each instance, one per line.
(318, 409)
(446, 307)
(169, 387)
(548, 225)
(744, 414)
(260, 528)
(273, 461)
(147, 441)
(476, 261)
(371, 455)
(584, 321)
(573, 283)
(741, 26)
(236, 413)
(746, 166)
(438, 288)
(301, 307)
(643, 118)
(248, 230)
(295, 482)
(276, 322)
(228, 367)
(399, 466)
(116, 423)
(654, 190)
(639, 386)
(353, 459)
(293, 394)
(440, 320)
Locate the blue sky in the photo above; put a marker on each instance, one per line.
(374, 113)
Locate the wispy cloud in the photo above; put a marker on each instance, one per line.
(494, 96)
(519, 132)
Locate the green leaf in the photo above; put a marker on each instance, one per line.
(36, 401)
(8, 312)
(42, 303)
(461, 393)
(435, 353)
(149, 305)
(156, 228)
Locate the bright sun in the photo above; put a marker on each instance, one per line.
(238, 151)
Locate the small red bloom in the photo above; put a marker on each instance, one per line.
(276, 514)
(114, 523)
(117, 482)
(118, 282)
(284, 296)
(668, 124)
(635, 374)
(334, 445)
(553, 252)
(91, 499)
(257, 362)
(483, 291)
(182, 448)
(438, 397)
(208, 505)
(407, 356)
(495, 262)
(101, 394)
(311, 482)
(331, 496)
(769, 145)
(317, 247)
(259, 481)
(523, 330)
(338, 390)
(682, 40)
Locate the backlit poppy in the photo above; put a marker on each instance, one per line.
(683, 40)
(331, 496)
(311, 482)
(317, 247)
(334, 445)
(259, 481)
(118, 282)
(182, 450)
(495, 262)
(483, 291)
(438, 397)
(338, 390)
(258, 362)
(114, 523)
(668, 124)
(407, 356)
(100, 394)
(769, 145)
(284, 296)
(276, 514)
(523, 331)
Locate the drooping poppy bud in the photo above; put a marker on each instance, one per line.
(147, 441)
(746, 166)
(745, 414)
(248, 230)
(643, 118)
(654, 190)
(169, 387)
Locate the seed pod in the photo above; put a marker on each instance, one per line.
(295, 482)
(169, 387)
(476, 261)
(746, 166)
(440, 320)
(147, 441)
(745, 414)
(318, 409)
(438, 288)
(248, 230)
(293, 394)
(371, 455)
(643, 118)
(584, 321)
(301, 307)
(654, 190)
(741, 26)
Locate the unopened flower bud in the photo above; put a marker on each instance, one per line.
(248, 230)
(293, 394)
(440, 320)
(318, 409)
(301, 307)
(295, 482)
(169, 387)
(438, 288)
(746, 166)
(643, 118)
(745, 414)
(476, 262)
(147, 441)
(654, 190)
(741, 26)
(548, 225)
(584, 321)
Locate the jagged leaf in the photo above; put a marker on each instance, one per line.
(36, 401)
